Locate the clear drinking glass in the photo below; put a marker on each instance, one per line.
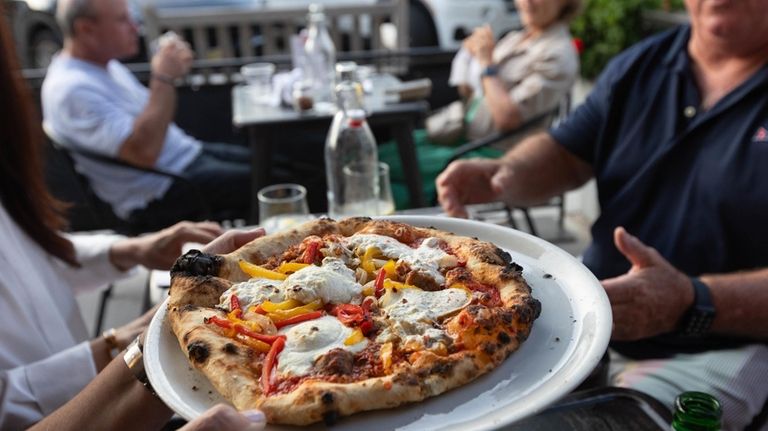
(282, 206)
(357, 196)
(258, 77)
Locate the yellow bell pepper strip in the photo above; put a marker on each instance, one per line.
(271, 307)
(280, 315)
(240, 329)
(298, 319)
(269, 364)
(287, 267)
(369, 291)
(257, 345)
(389, 268)
(257, 271)
(356, 337)
(392, 284)
(386, 356)
(366, 262)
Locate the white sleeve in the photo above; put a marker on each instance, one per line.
(92, 119)
(460, 68)
(33, 391)
(93, 254)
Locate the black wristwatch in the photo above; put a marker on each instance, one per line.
(698, 319)
(134, 359)
(490, 70)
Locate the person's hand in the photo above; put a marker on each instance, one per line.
(173, 59)
(465, 91)
(125, 334)
(651, 298)
(470, 182)
(160, 250)
(225, 417)
(232, 240)
(480, 44)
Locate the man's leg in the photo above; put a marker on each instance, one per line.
(737, 377)
(222, 175)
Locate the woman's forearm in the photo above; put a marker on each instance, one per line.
(505, 114)
(114, 400)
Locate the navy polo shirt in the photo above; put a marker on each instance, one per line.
(691, 183)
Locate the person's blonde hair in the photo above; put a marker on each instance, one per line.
(570, 10)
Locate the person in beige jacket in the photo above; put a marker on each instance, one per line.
(526, 73)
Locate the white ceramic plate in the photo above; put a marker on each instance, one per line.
(566, 343)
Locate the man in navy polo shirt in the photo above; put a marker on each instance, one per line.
(676, 135)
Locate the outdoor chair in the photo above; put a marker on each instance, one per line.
(99, 208)
(91, 213)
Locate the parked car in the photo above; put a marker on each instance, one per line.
(442, 23)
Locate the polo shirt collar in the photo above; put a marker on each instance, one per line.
(677, 58)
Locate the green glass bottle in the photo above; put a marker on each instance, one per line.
(696, 411)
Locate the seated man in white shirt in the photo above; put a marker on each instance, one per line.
(92, 101)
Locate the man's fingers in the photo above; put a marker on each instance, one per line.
(633, 249)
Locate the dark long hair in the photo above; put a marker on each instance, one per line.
(22, 183)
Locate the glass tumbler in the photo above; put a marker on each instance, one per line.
(258, 77)
(282, 206)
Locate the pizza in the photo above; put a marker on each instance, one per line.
(335, 318)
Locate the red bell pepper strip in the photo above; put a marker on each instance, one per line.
(366, 327)
(310, 253)
(379, 283)
(348, 313)
(234, 305)
(298, 319)
(269, 363)
(226, 324)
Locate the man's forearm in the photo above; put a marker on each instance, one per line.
(741, 303)
(145, 143)
(541, 169)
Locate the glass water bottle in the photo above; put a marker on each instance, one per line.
(351, 161)
(320, 59)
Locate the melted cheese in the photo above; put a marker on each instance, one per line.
(253, 292)
(333, 283)
(412, 312)
(307, 341)
(427, 259)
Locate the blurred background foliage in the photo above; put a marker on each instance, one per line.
(607, 27)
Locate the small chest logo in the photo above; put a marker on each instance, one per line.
(761, 135)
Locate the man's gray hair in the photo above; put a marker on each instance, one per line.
(68, 11)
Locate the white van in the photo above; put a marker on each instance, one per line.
(442, 23)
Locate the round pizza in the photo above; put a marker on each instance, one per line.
(334, 318)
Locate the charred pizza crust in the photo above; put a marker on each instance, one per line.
(484, 335)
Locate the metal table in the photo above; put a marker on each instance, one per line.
(265, 123)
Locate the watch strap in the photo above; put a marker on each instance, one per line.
(698, 320)
(134, 360)
(490, 70)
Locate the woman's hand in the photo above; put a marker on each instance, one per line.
(480, 44)
(224, 417)
(651, 298)
(232, 240)
(160, 250)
